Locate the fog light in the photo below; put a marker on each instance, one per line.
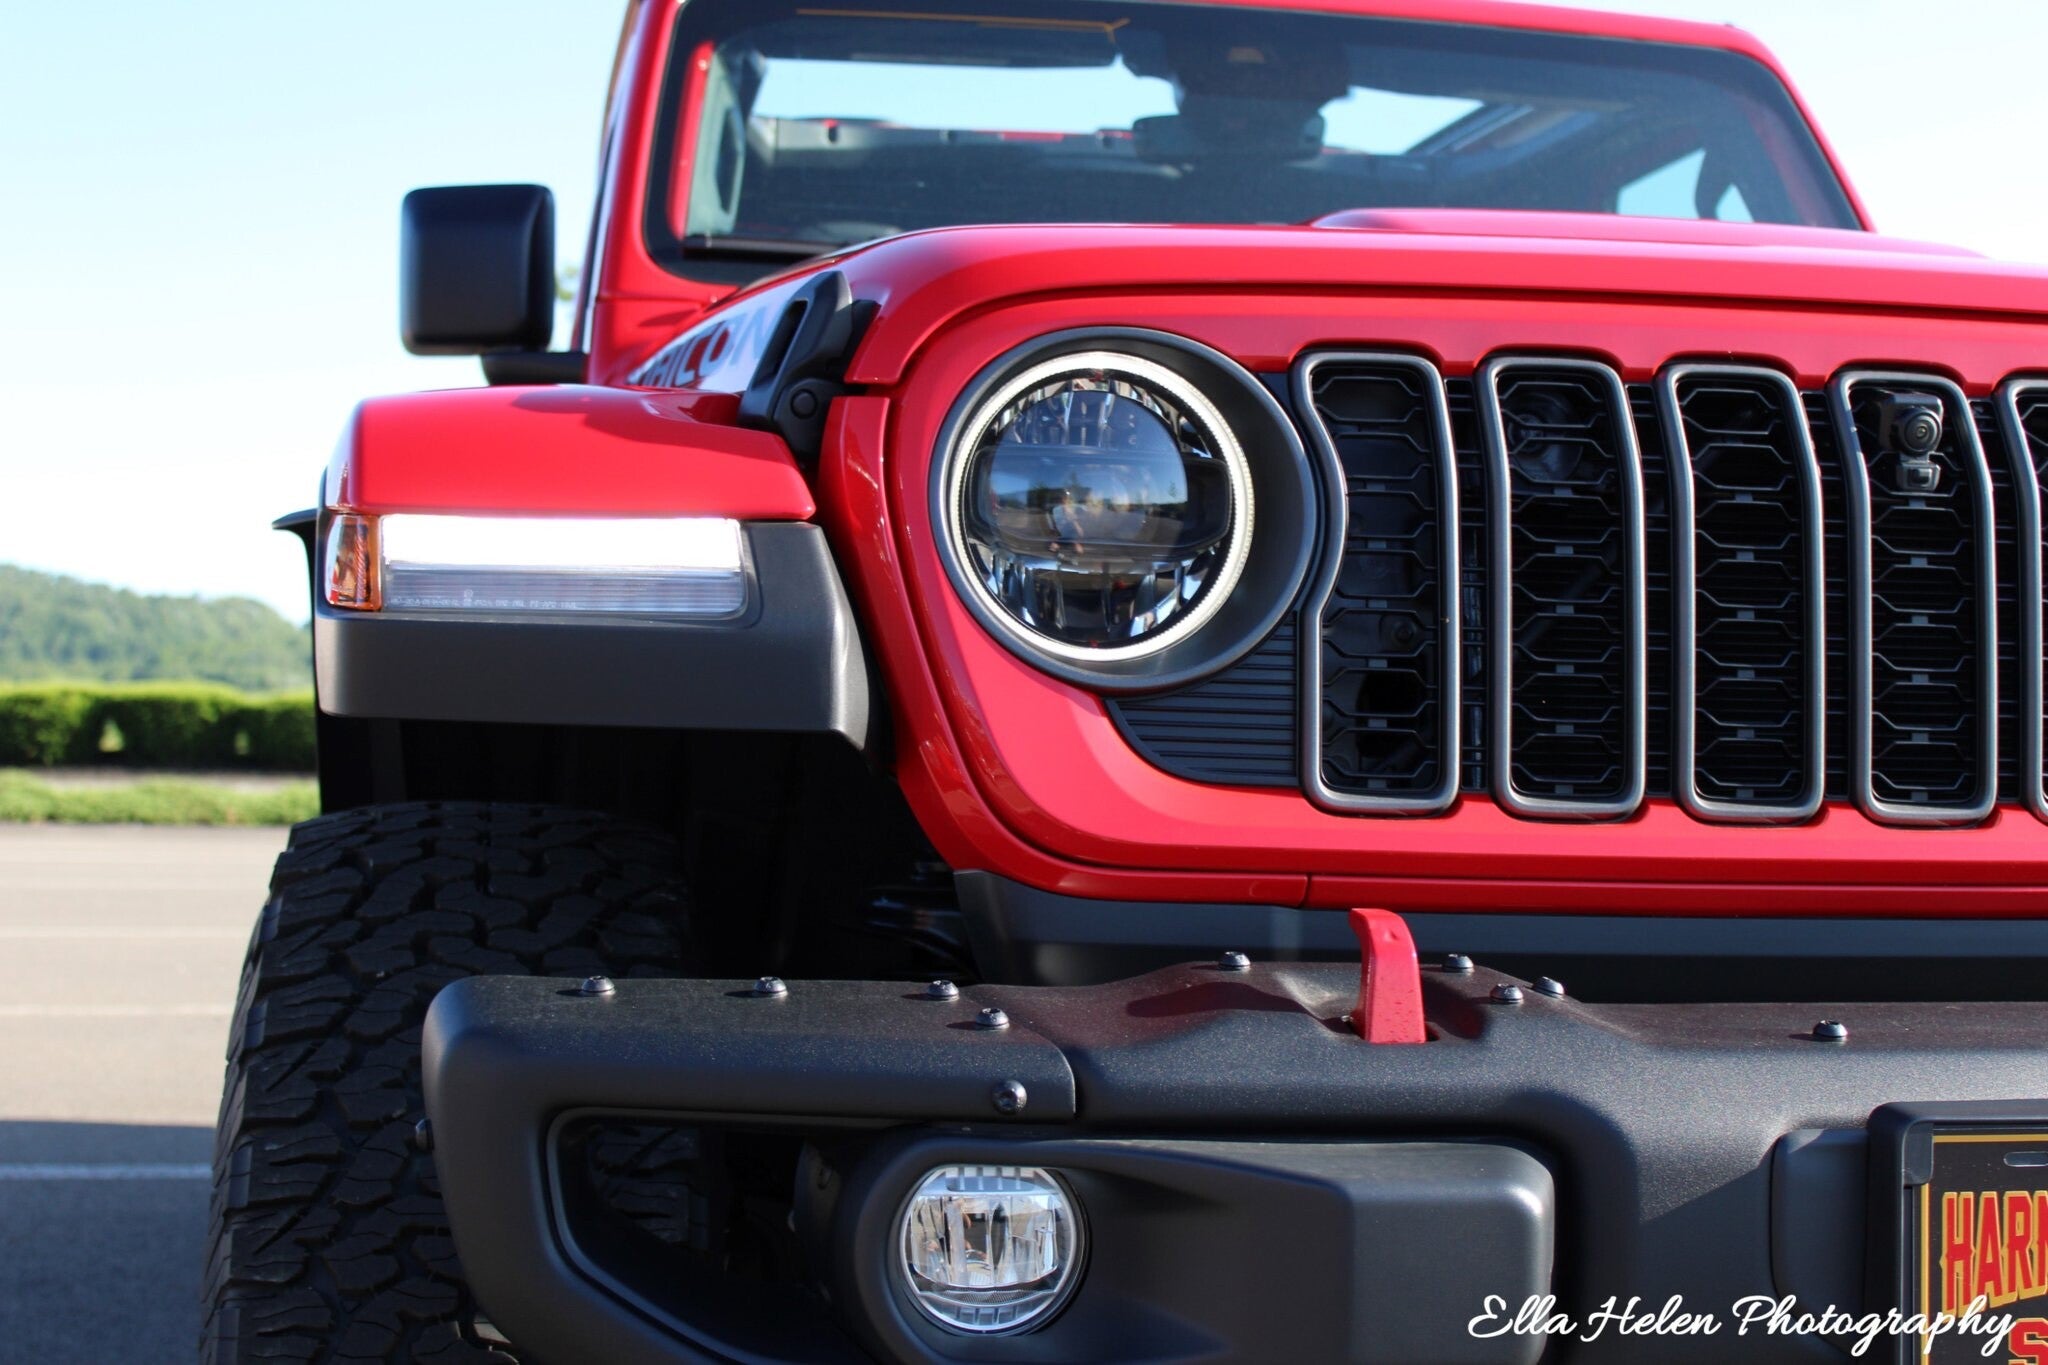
(991, 1248)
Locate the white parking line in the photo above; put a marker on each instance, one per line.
(53, 932)
(115, 1011)
(142, 1170)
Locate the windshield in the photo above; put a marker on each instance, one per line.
(790, 128)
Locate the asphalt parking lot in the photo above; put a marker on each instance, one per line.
(119, 953)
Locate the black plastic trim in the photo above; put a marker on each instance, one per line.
(535, 367)
(1367, 1251)
(1026, 936)
(1235, 728)
(476, 267)
(794, 664)
(505, 1057)
(800, 371)
(1657, 1120)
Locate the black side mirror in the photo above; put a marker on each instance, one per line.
(477, 269)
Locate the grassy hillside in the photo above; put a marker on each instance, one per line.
(56, 627)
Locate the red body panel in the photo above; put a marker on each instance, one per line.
(925, 280)
(1011, 771)
(573, 449)
(1607, 227)
(1045, 761)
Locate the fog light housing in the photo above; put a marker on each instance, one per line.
(989, 1249)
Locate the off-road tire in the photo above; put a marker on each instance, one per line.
(329, 1241)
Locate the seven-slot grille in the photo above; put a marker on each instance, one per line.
(1566, 592)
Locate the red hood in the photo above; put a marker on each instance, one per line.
(924, 280)
(1608, 227)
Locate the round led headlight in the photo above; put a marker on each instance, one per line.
(987, 1249)
(1100, 505)
(1125, 509)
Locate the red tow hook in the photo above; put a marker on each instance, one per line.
(1389, 1008)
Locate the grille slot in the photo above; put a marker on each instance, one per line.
(1473, 558)
(1566, 586)
(1381, 699)
(2023, 415)
(1922, 599)
(1991, 439)
(1749, 639)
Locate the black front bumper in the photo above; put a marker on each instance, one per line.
(1711, 1152)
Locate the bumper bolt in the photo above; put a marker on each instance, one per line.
(1457, 963)
(769, 988)
(1830, 1031)
(596, 985)
(942, 990)
(992, 1018)
(1507, 994)
(1233, 962)
(1009, 1098)
(423, 1136)
(1550, 986)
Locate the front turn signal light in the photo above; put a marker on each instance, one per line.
(352, 573)
(644, 566)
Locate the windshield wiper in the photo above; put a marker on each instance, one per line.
(733, 247)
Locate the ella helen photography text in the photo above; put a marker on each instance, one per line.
(1761, 1315)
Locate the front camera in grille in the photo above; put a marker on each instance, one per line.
(1923, 607)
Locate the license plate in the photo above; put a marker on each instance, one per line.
(1961, 1196)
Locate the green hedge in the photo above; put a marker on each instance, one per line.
(153, 801)
(155, 725)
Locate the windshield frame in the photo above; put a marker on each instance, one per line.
(696, 30)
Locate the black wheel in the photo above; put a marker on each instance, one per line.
(328, 1240)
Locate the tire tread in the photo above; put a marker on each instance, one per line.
(328, 1241)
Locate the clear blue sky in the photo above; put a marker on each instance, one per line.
(200, 207)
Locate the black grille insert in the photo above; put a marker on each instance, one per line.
(1566, 586)
(2023, 410)
(1382, 671)
(1750, 637)
(1922, 602)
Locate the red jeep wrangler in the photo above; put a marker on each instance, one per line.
(1346, 680)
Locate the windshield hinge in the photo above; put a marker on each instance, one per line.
(804, 366)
